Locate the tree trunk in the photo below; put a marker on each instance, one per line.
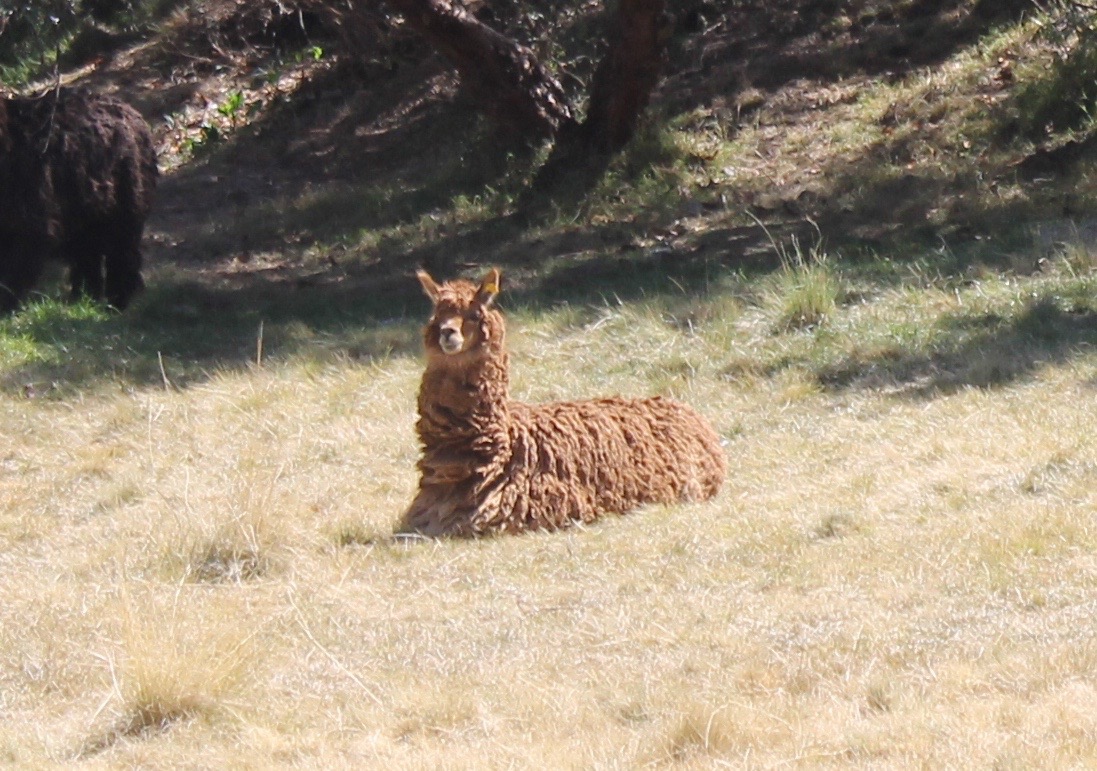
(628, 74)
(620, 91)
(512, 86)
(503, 76)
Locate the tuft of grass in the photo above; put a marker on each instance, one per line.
(703, 732)
(804, 293)
(1078, 252)
(648, 177)
(356, 533)
(230, 560)
(836, 525)
(241, 543)
(169, 672)
(879, 697)
(448, 714)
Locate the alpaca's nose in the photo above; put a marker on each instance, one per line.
(450, 339)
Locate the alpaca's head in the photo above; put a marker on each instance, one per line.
(465, 321)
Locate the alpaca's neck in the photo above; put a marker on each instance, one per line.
(463, 401)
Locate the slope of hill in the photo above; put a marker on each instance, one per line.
(854, 234)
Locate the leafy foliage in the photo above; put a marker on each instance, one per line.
(31, 33)
(36, 34)
(1067, 98)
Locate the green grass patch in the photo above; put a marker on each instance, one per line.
(179, 333)
(1063, 95)
(805, 291)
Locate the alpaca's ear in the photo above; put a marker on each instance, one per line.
(430, 289)
(489, 287)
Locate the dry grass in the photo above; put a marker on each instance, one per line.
(196, 571)
(889, 578)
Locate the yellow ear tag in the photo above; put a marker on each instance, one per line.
(491, 287)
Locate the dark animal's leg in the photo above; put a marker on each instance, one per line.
(85, 260)
(122, 248)
(9, 294)
(9, 300)
(123, 269)
(21, 264)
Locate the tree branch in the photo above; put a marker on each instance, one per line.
(504, 77)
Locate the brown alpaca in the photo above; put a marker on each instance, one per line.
(493, 465)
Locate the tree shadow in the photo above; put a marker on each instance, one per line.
(186, 328)
(983, 351)
(328, 164)
(881, 203)
(769, 44)
(184, 332)
(797, 49)
(352, 159)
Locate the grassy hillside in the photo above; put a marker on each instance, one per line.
(855, 235)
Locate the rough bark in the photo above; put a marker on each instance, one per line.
(620, 91)
(504, 77)
(627, 75)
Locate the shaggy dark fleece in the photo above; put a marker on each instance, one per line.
(77, 177)
(493, 465)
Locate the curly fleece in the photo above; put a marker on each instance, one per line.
(77, 178)
(493, 465)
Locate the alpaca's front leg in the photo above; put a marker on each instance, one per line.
(437, 510)
(421, 517)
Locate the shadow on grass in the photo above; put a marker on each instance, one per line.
(351, 160)
(769, 45)
(984, 351)
(389, 158)
(180, 334)
(183, 331)
(330, 163)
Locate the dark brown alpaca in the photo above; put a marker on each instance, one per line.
(493, 465)
(77, 177)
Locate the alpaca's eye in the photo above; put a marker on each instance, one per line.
(476, 315)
